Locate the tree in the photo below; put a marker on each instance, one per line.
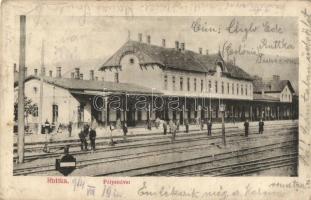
(30, 109)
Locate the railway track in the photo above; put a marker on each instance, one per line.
(88, 162)
(231, 168)
(149, 142)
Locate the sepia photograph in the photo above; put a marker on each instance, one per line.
(155, 96)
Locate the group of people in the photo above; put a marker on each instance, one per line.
(260, 125)
(86, 132)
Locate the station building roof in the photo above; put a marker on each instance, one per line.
(172, 58)
(93, 85)
(272, 86)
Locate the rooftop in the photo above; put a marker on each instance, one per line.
(186, 60)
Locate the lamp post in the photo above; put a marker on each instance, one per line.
(222, 110)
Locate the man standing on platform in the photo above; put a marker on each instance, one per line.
(187, 125)
(92, 138)
(261, 125)
(209, 127)
(246, 126)
(164, 127)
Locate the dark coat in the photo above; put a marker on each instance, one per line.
(246, 125)
(209, 125)
(92, 135)
(261, 125)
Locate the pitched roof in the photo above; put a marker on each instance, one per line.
(171, 58)
(263, 97)
(272, 85)
(93, 85)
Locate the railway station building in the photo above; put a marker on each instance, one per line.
(142, 82)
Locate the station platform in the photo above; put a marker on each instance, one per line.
(105, 132)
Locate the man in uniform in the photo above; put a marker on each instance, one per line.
(261, 125)
(246, 126)
(209, 127)
(92, 138)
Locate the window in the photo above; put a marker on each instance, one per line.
(181, 83)
(35, 111)
(232, 88)
(173, 81)
(222, 88)
(81, 113)
(242, 89)
(237, 89)
(132, 60)
(246, 90)
(116, 77)
(165, 82)
(55, 113)
(188, 84)
(228, 88)
(216, 87)
(209, 86)
(195, 84)
(201, 85)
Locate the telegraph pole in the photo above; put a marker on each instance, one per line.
(21, 95)
(41, 89)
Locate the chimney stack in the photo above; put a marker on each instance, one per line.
(140, 37)
(50, 73)
(148, 39)
(81, 76)
(163, 43)
(59, 72)
(182, 46)
(92, 75)
(96, 78)
(77, 72)
(276, 77)
(15, 69)
(43, 71)
(200, 50)
(35, 71)
(72, 75)
(176, 45)
(206, 51)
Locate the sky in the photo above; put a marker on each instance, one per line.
(87, 42)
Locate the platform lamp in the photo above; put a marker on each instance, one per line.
(222, 108)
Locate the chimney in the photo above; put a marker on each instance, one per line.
(92, 75)
(96, 78)
(50, 73)
(200, 50)
(176, 45)
(15, 69)
(81, 76)
(206, 51)
(148, 39)
(35, 71)
(58, 72)
(140, 37)
(43, 71)
(182, 46)
(163, 43)
(25, 71)
(77, 73)
(276, 77)
(72, 75)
